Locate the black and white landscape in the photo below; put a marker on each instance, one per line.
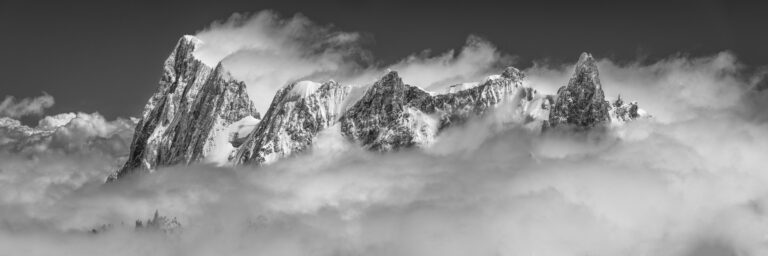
(269, 133)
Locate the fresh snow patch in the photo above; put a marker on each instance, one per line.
(492, 77)
(243, 127)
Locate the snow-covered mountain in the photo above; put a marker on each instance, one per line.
(183, 119)
(298, 112)
(393, 115)
(202, 114)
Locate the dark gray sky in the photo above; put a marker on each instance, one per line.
(106, 56)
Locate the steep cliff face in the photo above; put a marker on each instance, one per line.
(193, 103)
(297, 113)
(393, 115)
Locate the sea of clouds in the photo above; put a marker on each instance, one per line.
(692, 180)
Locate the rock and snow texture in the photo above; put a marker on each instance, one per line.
(393, 115)
(581, 104)
(297, 113)
(192, 106)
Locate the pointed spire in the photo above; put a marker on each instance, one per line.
(391, 79)
(584, 57)
(585, 72)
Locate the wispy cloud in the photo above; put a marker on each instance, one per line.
(267, 51)
(11, 107)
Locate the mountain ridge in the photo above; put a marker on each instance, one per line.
(390, 115)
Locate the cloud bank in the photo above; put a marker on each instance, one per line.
(10, 107)
(690, 181)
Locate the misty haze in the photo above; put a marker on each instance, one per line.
(373, 128)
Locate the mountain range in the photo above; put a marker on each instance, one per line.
(202, 114)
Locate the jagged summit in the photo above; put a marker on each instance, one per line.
(390, 80)
(586, 73)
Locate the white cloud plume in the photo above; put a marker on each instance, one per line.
(10, 107)
(268, 51)
(477, 59)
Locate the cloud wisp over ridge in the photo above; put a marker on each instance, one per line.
(267, 51)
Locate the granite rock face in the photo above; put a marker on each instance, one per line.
(581, 104)
(297, 113)
(192, 105)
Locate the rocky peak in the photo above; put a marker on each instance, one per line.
(581, 104)
(585, 73)
(193, 104)
(389, 84)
